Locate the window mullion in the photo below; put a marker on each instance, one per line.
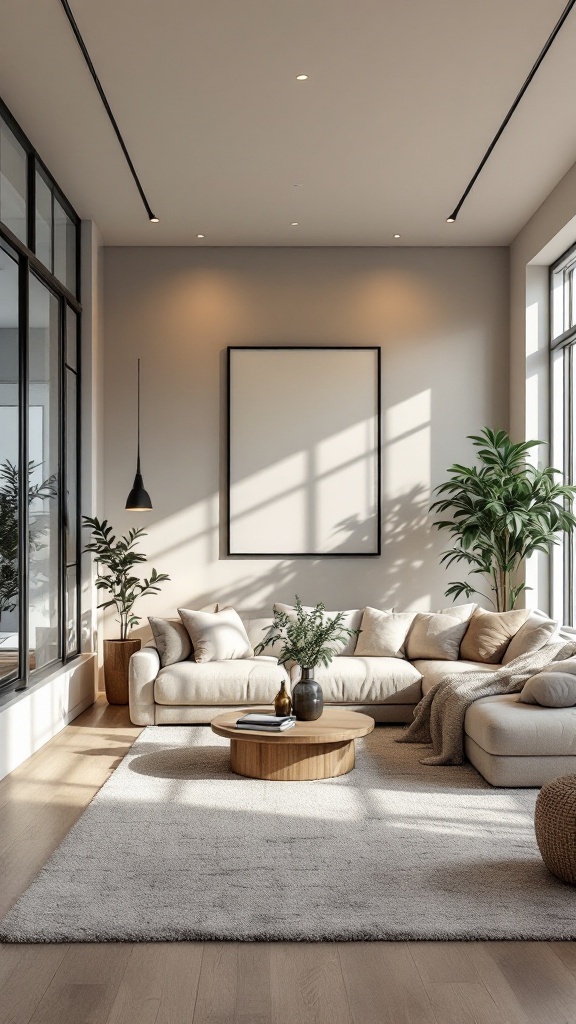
(23, 478)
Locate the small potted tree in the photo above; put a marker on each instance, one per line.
(501, 512)
(116, 560)
(308, 639)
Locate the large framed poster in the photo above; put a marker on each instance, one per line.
(304, 451)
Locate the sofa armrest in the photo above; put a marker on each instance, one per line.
(144, 667)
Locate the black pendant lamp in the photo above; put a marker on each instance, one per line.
(138, 500)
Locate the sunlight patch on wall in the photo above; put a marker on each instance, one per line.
(408, 443)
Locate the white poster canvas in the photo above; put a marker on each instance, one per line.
(304, 451)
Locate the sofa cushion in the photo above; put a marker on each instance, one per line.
(367, 681)
(435, 671)
(554, 687)
(489, 634)
(235, 681)
(352, 620)
(257, 630)
(438, 634)
(383, 634)
(537, 631)
(500, 725)
(217, 636)
(171, 639)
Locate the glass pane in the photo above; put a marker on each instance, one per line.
(13, 183)
(558, 553)
(71, 338)
(71, 455)
(43, 222)
(9, 465)
(71, 611)
(557, 302)
(64, 248)
(43, 455)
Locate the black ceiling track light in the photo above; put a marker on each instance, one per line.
(533, 70)
(138, 500)
(107, 107)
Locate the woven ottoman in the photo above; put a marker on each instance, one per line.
(555, 824)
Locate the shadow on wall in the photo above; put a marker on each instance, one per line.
(406, 543)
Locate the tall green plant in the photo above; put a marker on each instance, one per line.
(118, 558)
(502, 511)
(307, 637)
(9, 527)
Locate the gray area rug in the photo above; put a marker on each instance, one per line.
(176, 847)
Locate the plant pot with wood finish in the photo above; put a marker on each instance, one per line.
(116, 560)
(117, 654)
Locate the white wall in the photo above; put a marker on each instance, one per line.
(543, 239)
(441, 317)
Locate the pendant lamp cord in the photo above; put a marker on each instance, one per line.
(138, 456)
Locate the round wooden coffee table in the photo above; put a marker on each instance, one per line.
(311, 750)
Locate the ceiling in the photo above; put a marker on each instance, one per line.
(401, 102)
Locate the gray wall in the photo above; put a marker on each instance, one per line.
(441, 317)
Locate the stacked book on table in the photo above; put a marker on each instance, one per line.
(266, 723)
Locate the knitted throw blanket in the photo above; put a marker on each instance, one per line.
(439, 717)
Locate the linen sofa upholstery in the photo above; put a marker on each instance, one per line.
(435, 671)
(241, 681)
(510, 744)
(359, 680)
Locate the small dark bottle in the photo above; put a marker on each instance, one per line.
(282, 701)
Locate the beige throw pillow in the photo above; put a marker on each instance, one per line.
(489, 634)
(352, 619)
(555, 687)
(383, 634)
(536, 632)
(218, 636)
(436, 635)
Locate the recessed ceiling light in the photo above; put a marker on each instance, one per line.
(154, 220)
(396, 236)
(301, 78)
(294, 224)
(200, 236)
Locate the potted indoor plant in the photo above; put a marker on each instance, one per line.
(307, 638)
(116, 560)
(502, 511)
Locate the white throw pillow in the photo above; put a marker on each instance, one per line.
(383, 634)
(438, 634)
(352, 620)
(218, 636)
(537, 631)
(258, 629)
(554, 687)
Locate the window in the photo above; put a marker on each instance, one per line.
(40, 319)
(13, 182)
(563, 420)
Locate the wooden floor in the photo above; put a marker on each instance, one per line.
(238, 983)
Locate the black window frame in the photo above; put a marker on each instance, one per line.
(28, 264)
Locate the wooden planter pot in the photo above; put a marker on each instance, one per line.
(117, 654)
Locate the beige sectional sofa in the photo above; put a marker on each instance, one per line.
(510, 744)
